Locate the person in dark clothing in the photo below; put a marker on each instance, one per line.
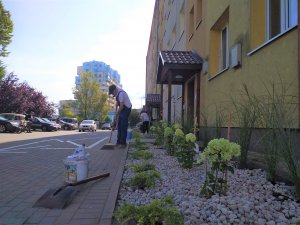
(123, 109)
(29, 118)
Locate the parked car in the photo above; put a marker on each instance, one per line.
(89, 125)
(6, 125)
(14, 118)
(67, 126)
(57, 125)
(70, 120)
(106, 126)
(39, 123)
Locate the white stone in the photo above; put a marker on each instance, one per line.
(249, 195)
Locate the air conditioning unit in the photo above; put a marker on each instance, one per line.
(236, 58)
(205, 67)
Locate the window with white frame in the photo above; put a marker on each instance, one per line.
(224, 53)
(219, 45)
(280, 16)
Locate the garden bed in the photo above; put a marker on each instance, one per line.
(250, 198)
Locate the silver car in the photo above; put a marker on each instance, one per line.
(89, 125)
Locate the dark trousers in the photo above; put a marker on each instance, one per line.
(28, 126)
(123, 126)
(146, 126)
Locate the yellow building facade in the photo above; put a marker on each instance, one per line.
(252, 43)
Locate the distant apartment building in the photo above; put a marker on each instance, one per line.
(104, 74)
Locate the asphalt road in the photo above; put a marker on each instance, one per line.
(31, 163)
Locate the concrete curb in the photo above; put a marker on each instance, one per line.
(106, 218)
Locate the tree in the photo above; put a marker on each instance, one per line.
(91, 101)
(67, 111)
(6, 29)
(21, 98)
(134, 118)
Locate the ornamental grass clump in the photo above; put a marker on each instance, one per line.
(217, 156)
(141, 154)
(157, 212)
(137, 141)
(144, 179)
(137, 168)
(168, 140)
(157, 129)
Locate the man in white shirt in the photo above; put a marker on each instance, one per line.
(123, 109)
(145, 119)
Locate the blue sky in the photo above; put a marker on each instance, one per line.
(53, 37)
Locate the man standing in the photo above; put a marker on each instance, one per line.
(29, 118)
(145, 120)
(123, 109)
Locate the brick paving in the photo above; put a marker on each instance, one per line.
(25, 177)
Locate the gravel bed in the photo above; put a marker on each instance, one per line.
(250, 198)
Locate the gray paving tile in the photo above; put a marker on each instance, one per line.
(4, 210)
(83, 222)
(48, 221)
(30, 176)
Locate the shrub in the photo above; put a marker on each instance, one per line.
(137, 139)
(218, 153)
(157, 212)
(141, 154)
(157, 129)
(142, 167)
(185, 152)
(184, 148)
(168, 140)
(144, 179)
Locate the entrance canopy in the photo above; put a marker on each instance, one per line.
(178, 66)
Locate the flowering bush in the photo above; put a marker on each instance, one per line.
(176, 126)
(168, 132)
(218, 153)
(178, 141)
(190, 138)
(184, 148)
(220, 150)
(168, 136)
(179, 133)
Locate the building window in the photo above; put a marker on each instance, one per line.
(198, 12)
(281, 15)
(224, 55)
(271, 18)
(191, 22)
(219, 45)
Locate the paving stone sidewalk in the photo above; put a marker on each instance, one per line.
(25, 177)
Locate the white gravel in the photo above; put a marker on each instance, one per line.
(249, 199)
